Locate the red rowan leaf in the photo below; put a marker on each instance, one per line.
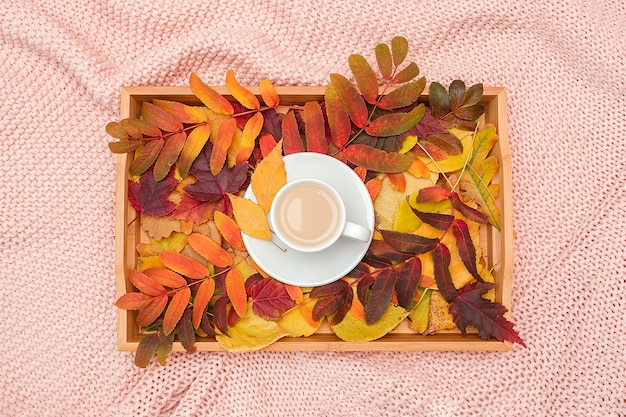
(185, 332)
(408, 242)
(146, 158)
(201, 301)
(403, 96)
(407, 73)
(175, 310)
(441, 261)
(152, 311)
(333, 288)
(169, 154)
(374, 159)
(469, 307)
(382, 250)
(150, 197)
(359, 271)
(344, 305)
(166, 277)
(236, 291)
(220, 314)
(270, 299)
(334, 298)
(145, 284)
(433, 194)
(292, 141)
(380, 295)
(209, 97)
(133, 301)
(439, 221)
(466, 248)
(352, 99)
(363, 287)
(337, 115)
(467, 211)
(365, 77)
(124, 146)
(384, 60)
(392, 124)
(165, 347)
(399, 49)
(146, 349)
(408, 280)
(210, 250)
(315, 130)
(183, 265)
(159, 117)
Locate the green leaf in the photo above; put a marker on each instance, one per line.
(438, 100)
(399, 50)
(376, 160)
(473, 95)
(352, 99)
(365, 77)
(403, 96)
(395, 123)
(407, 74)
(124, 146)
(419, 317)
(383, 58)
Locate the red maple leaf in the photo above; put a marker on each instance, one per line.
(269, 298)
(150, 197)
(469, 307)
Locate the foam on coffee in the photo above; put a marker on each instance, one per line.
(308, 214)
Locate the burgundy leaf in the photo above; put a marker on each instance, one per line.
(469, 307)
(150, 197)
(360, 270)
(252, 281)
(363, 288)
(380, 295)
(441, 261)
(207, 326)
(466, 248)
(325, 306)
(329, 289)
(345, 303)
(375, 262)
(408, 242)
(333, 298)
(272, 124)
(185, 332)
(447, 142)
(437, 220)
(270, 299)
(467, 211)
(220, 314)
(408, 281)
(146, 349)
(209, 187)
(382, 250)
(427, 126)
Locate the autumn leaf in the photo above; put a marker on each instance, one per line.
(192, 210)
(124, 146)
(470, 307)
(337, 115)
(408, 280)
(147, 157)
(379, 296)
(441, 261)
(193, 146)
(365, 77)
(381, 250)
(160, 118)
(145, 284)
(419, 316)
(269, 94)
(183, 265)
(146, 349)
(230, 230)
(133, 301)
(292, 142)
(266, 144)
(150, 197)
(175, 310)
(314, 128)
(250, 132)
(403, 96)
(407, 73)
(241, 94)
(334, 298)
(439, 221)
(399, 49)
(138, 128)
(353, 329)
(180, 111)
(299, 321)
(269, 177)
(209, 97)
(351, 98)
(376, 160)
(152, 311)
(116, 130)
(210, 250)
(169, 154)
(392, 124)
(465, 246)
(166, 277)
(236, 291)
(204, 294)
(384, 60)
(434, 194)
(222, 142)
(408, 242)
(209, 187)
(185, 332)
(220, 314)
(373, 187)
(467, 211)
(251, 218)
(159, 227)
(295, 293)
(270, 299)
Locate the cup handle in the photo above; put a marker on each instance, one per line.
(356, 232)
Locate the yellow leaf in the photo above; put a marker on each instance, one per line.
(175, 242)
(209, 97)
(408, 144)
(251, 333)
(452, 162)
(250, 217)
(418, 319)
(439, 318)
(299, 321)
(351, 329)
(268, 93)
(389, 199)
(241, 94)
(250, 132)
(268, 177)
(405, 220)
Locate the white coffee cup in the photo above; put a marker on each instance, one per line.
(308, 215)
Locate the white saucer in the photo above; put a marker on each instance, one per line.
(318, 268)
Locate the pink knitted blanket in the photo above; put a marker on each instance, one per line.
(61, 66)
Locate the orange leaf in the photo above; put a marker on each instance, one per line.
(314, 129)
(292, 142)
(222, 142)
(182, 112)
(266, 144)
(146, 158)
(373, 187)
(169, 154)
(250, 217)
(251, 131)
(307, 313)
(162, 119)
(192, 148)
(203, 296)
(357, 310)
(236, 291)
(338, 120)
(352, 99)
(175, 310)
(377, 160)
(427, 281)
(209, 97)
(166, 277)
(241, 94)
(229, 230)
(145, 284)
(268, 93)
(365, 77)
(269, 177)
(133, 301)
(295, 293)
(183, 265)
(210, 250)
(418, 168)
(361, 172)
(398, 181)
(149, 314)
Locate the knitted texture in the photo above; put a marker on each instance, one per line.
(62, 64)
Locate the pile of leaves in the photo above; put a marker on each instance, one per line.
(426, 165)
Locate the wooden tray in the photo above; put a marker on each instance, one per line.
(498, 245)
